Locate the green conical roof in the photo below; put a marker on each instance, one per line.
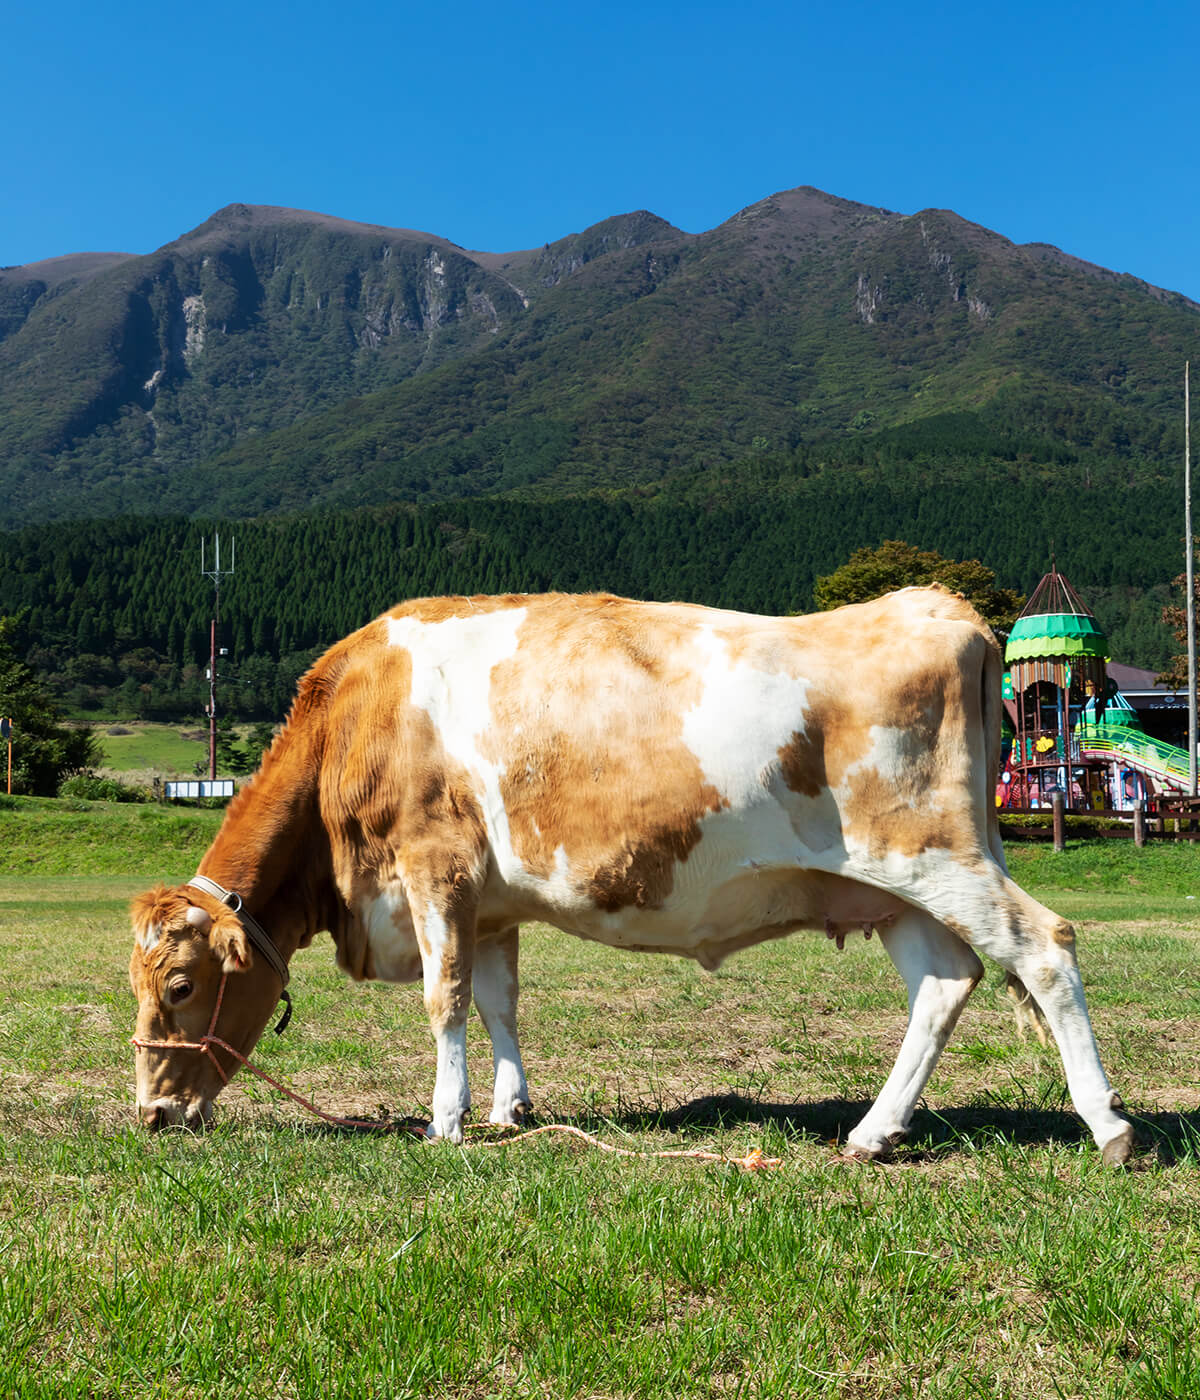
(1055, 634)
(1055, 623)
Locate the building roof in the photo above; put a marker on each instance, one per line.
(1142, 690)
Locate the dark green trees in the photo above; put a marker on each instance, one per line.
(43, 750)
(894, 564)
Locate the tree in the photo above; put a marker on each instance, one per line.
(44, 752)
(1175, 616)
(869, 573)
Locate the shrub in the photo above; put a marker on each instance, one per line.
(93, 788)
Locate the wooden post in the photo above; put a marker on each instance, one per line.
(1058, 806)
(1139, 823)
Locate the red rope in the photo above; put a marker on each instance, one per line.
(753, 1161)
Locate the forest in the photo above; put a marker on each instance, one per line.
(114, 614)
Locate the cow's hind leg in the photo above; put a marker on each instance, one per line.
(985, 908)
(1042, 955)
(495, 983)
(940, 972)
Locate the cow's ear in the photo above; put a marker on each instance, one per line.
(229, 942)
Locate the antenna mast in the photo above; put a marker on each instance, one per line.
(216, 573)
(1191, 584)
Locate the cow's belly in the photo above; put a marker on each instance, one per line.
(750, 907)
(748, 879)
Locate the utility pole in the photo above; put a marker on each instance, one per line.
(1191, 582)
(216, 573)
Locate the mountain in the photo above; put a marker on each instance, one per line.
(273, 359)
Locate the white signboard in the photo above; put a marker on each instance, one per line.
(199, 787)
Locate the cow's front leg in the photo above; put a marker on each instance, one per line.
(446, 938)
(495, 982)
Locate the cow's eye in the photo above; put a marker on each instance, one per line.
(179, 990)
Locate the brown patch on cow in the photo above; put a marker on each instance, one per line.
(396, 806)
(960, 931)
(833, 738)
(914, 692)
(433, 610)
(802, 763)
(588, 727)
(894, 822)
(451, 889)
(1063, 933)
(645, 876)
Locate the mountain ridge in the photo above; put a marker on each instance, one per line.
(274, 358)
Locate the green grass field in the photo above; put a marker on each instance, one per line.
(275, 1256)
(149, 749)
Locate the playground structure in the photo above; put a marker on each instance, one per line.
(1072, 731)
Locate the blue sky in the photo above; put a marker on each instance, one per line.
(503, 127)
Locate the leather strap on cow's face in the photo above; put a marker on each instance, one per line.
(256, 934)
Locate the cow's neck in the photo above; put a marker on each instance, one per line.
(272, 849)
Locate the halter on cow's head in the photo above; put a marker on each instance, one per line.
(204, 972)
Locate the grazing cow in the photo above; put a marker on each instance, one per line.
(654, 776)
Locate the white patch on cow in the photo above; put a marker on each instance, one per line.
(452, 662)
(742, 720)
(147, 937)
(891, 754)
(387, 919)
(198, 1112)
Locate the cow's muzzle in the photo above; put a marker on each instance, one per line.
(170, 1113)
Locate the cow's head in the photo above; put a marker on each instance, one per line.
(187, 946)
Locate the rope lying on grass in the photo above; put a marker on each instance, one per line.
(753, 1161)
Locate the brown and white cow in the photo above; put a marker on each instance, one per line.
(655, 776)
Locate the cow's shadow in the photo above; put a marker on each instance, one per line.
(1167, 1137)
(1163, 1138)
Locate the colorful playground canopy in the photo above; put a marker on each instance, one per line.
(1055, 634)
(1056, 639)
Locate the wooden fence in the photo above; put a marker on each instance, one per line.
(1173, 818)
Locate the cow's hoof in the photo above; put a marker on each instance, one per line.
(853, 1153)
(872, 1149)
(1118, 1150)
(448, 1131)
(511, 1115)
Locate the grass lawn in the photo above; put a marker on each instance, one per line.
(147, 749)
(274, 1256)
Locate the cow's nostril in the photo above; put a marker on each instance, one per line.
(153, 1118)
